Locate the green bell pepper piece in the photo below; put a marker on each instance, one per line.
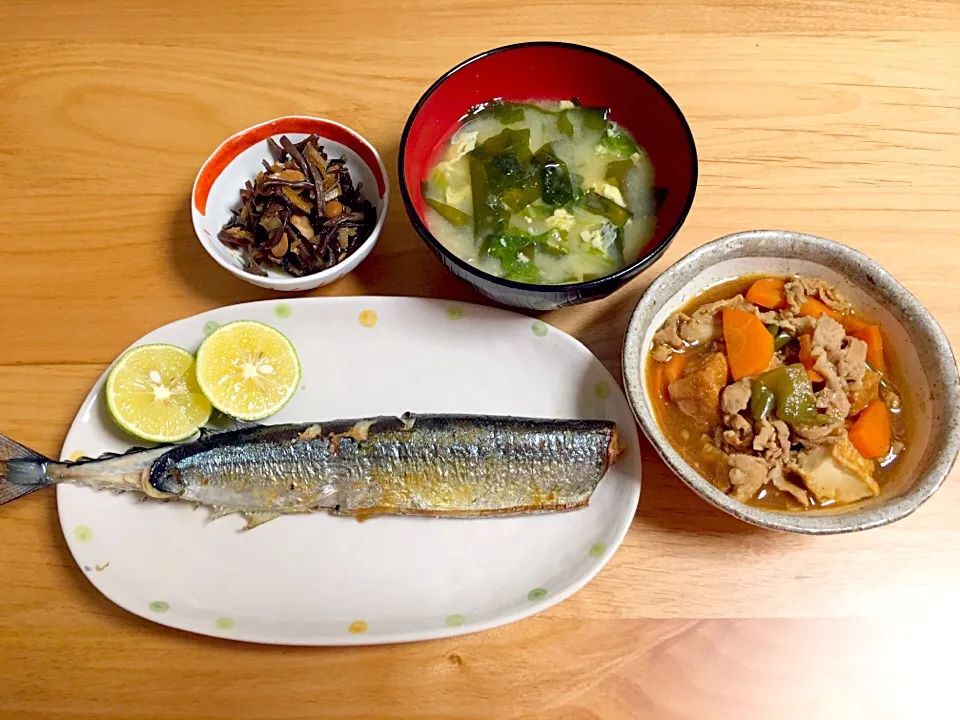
(762, 400)
(564, 125)
(797, 404)
(780, 337)
(455, 217)
(790, 387)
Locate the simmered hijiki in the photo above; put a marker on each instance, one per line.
(779, 393)
(301, 213)
(542, 193)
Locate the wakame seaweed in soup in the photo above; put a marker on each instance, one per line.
(546, 193)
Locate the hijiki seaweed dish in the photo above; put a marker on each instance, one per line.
(301, 213)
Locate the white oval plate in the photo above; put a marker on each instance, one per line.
(323, 580)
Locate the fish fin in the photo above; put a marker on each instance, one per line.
(256, 519)
(21, 470)
(107, 455)
(211, 431)
(217, 512)
(233, 425)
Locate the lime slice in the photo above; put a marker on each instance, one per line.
(152, 393)
(248, 370)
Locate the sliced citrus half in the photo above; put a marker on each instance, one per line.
(152, 393)
(247, 369)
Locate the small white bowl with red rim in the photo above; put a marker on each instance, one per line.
(216, 191)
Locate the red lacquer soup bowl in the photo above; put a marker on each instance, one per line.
(543, 71)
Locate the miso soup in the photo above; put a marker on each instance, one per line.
(545, 193)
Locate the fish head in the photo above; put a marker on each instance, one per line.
(166, 478)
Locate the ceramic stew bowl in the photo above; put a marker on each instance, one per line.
(923, 363)
(552, 71)
(216, 191)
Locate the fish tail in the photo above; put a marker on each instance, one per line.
(22, 470)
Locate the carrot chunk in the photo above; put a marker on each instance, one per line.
(812, 307)
(673, 370)
(768, 293)
(852, 324)
(668, 372)
(874, 340)
(870, 434)
(806, 358)
(749, 343)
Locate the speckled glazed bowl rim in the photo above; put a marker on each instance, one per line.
(649, 256)
(944, 442)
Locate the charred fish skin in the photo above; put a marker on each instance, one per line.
(440, 465)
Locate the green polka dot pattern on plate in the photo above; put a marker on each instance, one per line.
(601, 389)
(209, 326)
(82, 533)
(536, 594)
(539, 328)
(224, 623)
(159, 606)
(454, 620)
(597, 549)
(454, 312)
(283, 311)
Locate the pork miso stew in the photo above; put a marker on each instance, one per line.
(778, 391)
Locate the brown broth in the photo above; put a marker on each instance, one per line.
(694, 442)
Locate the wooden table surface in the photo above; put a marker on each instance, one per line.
(835, 118)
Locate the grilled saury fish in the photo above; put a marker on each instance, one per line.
(439, 465)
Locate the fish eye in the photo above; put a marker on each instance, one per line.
(167, 479)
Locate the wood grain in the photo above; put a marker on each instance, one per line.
(837, 118)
